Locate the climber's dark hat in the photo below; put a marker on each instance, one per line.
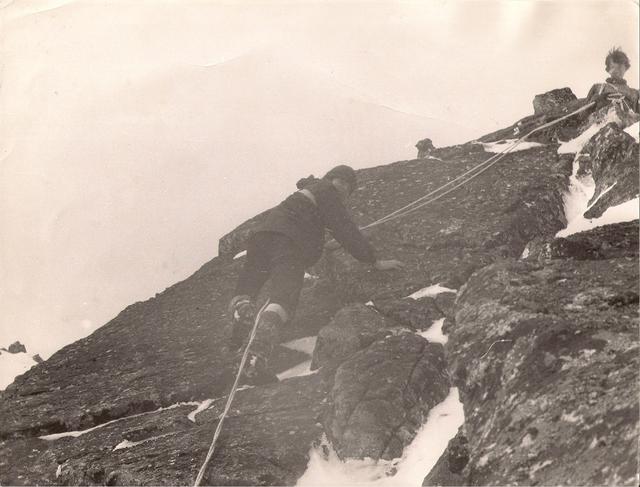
(345, 173)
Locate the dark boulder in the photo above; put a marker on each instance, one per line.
(552, 100)
(425, 147)
(353, 328)
(381, 396)
(17, 347)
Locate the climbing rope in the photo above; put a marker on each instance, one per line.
(234, 389)
(480, 168)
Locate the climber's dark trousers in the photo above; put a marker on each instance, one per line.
(271, 255)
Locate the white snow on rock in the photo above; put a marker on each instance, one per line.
(575, 145)
(75, 434)
(12, 365)
(299, 370)
(434, 333)
(576, 203)
(501, 145)
(634, 131)
(240, 254)
(201, 407)
(130, 444)
(624, 212)
(304, 345)
(430, 291)
(419, 457)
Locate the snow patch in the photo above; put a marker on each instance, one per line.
(575, 145)
(634, 131)
(12, 365)
(431, 291)
(201, 407)
(299, 370)
(325, 468)
(434, 333)
(624, 212)
(576, 203)
(75, 434)
(240, 254)
(304, 345)
(126, 444)
(501, 145)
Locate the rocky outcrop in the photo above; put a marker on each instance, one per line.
(543, 356)
(613, 162)
(551, 101)
(381, 396)
(425, 147)
(15, 347)
(548, 107)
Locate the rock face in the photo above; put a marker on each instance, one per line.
(543, 349)
(544, 355)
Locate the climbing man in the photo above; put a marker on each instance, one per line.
(615, 87)
(290, 240)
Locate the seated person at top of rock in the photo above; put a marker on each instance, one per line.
(615, 87)
(289, 241)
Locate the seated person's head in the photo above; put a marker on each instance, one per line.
(617, 63)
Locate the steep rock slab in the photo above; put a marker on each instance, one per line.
(382, 395)
(613, 161)
(265, 441)
(546, 359)
(491, 217)
(168, 349)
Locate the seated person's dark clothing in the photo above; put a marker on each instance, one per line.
(616, 86)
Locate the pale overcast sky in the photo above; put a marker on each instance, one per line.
(135, 133)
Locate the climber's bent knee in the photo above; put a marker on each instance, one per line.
(276, 308)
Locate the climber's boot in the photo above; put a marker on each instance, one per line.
(243, 314)
(256, 370)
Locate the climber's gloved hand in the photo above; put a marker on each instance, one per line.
(388, 265)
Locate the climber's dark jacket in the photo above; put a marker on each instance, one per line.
(614, 86)
(304, 222)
